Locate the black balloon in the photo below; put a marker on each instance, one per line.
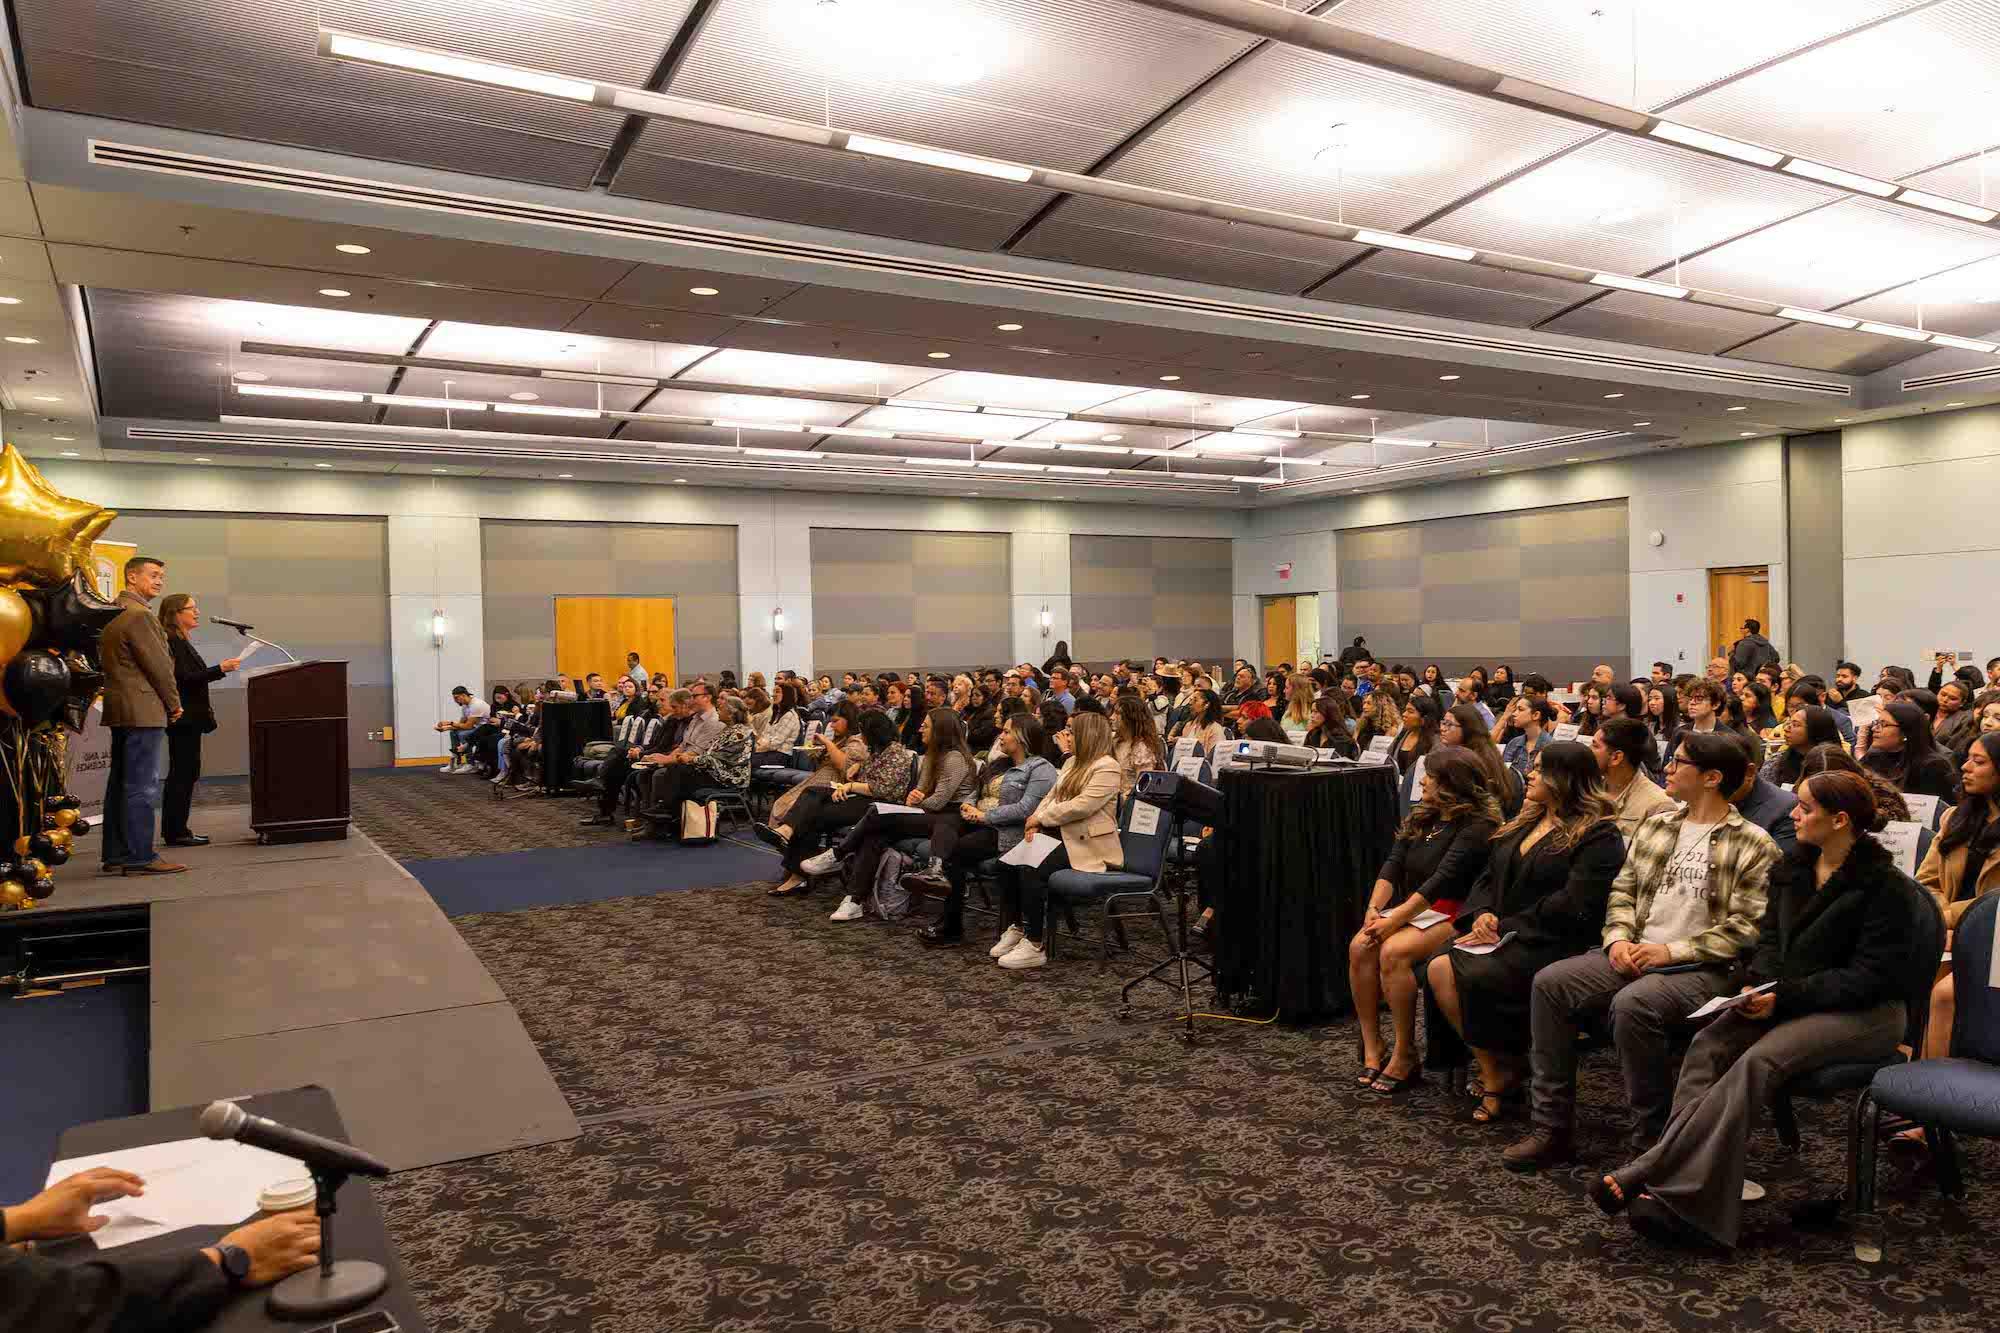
(84, 683)
(36, 685)
(42, 887)
(70, 617)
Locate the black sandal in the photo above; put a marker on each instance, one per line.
(1388, 1085)
(1504, 1104)
(1369, 1073)
(795, 891)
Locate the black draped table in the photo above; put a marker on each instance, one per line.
(567, 727)
(1299, 852)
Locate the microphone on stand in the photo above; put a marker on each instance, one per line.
(332, 1287)
(233, 624)
(227, 1120)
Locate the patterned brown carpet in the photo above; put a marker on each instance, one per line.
(801, 1126)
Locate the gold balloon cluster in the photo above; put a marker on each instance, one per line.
(45, 541)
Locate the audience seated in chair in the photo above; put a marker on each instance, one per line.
(1082, 809)
(1963, 866)
(1624, 751)
(882, 773)
(946, 779)
(715, 753)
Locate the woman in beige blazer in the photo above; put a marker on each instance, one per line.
(1963, 866)
(1083, 805)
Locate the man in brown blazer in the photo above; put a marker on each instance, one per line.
(140, 699)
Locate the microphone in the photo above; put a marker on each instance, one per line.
(226, 1120)
(233, 624)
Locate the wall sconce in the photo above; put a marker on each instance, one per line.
(437, 629)
(778, 625)
(1047, 621)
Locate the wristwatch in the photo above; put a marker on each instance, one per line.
(235, 1264)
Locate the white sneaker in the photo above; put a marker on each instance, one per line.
(849, 910)
(1025, 954)
(449, 767)
(499, 778)
(823, 864)
(1008, 939)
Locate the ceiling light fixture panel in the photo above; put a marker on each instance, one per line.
(362, 50)
(1720, 144)
(1645, 286)
(1964, 344)
(870, 146)
(1846, 180)
(1416, 245)
(1817, 317)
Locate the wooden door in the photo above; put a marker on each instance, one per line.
(1281, 627)
(1734, 596)
(595, 633)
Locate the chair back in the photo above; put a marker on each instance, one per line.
(1145, 852)
(1926, 927)
(1975, 1031)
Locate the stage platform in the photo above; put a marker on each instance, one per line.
(326, 963)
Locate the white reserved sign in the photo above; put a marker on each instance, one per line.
(1566, 731)
(1182, 749)
(1900, 836)
(1189, 766)
(1923, 809)
(1378, 750)
(1145, 819)
(1417, 778)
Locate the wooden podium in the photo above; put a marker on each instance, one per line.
(298, 752)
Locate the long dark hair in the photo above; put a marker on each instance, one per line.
(1668, 724)
(947, 737)
(1462, 789)
(1763, 719)
(1821, 729)
(1477, 740)
(1849, 794)
(1330, 725)
(1140, 728)
(1428, 716)
(1975, 817)
(1570, 771)
(1918, 742)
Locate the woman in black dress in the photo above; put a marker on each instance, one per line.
(1540, 899)
(192, 676)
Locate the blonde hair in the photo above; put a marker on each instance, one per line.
(1300, 692)
(1092, 736)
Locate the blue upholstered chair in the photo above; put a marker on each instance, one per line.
(1136, 882)
(1959, 1094)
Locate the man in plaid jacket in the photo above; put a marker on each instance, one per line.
(1685, 906)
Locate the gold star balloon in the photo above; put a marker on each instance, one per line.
(45, 536)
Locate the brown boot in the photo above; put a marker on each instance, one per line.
(1543, 1147)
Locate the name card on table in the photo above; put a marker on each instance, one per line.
(1901, 836)
(1184, 747)
(1923, 809)
(1378, 751)
(1190, 766)
(1566, 731)
(1417, 778)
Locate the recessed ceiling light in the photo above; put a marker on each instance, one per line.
(17, 338)
(335, 291)
(940, 356)
(1357, 397)
(1947, 404)
(1004, 328)
(524, 397)
(1614, 395)
(680, 481)
(439, 469)
(1447, 377)
(350, 248)
(1746, 434)
(1642, 423)
(1111, 439)
(1838, 420)
(1572, 460)
(71, 453)
(252, 376)
(322, 465)
(564, 476)
(703, 291)
(10, 300)
(1169, 379)
(1741, 408)
(204, 460)
(57, 398)
(64, 438)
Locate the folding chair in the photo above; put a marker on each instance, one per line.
(1145, 849)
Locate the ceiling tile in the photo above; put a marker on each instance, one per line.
(1837, 254)
(1653, 322)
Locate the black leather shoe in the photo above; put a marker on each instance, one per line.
(938, 935)
(591, 821)
(188, 840)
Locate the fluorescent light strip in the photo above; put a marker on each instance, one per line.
(1689, 137)
(942, 462)
(1039, 445)
(1937, 203)
(346, 46)
(540, 410)
(1416, 245)
(1014, 467)
(1895, 331)
(317, 395)
(1080, 471)
(1644, 285)
(859, 432)
(925, 405)
(938, 157)
(1093, 448)
(1025, 412)
(1817, 317)
(447, 404)
(599, 377)
(1846, 180)
(1964, 344)
(1269, 434)
(790, 427)
(787, 453)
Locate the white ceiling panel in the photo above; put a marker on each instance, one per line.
(1837, 254)
(1016, 391)
(778, 370)
(1455, 291)
(749, 407)
(1099, 233)
(1680, 325)
(1964, 301)
(1816, 348)
(1891, 100)
(256, 72)
(1633, 52)
(1626, 205)
(452, 341)
(1200, 409)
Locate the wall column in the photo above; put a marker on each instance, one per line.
(1813, 534)
(1040, 579)
(434, 569)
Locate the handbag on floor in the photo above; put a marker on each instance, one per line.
(698, 820)
(887, 898)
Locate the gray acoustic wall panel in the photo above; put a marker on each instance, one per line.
(528, 564)
(935, 601)
(1544, 590)
(319, 586)
(1146, 597)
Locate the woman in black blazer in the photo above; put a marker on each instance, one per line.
(1541, 898)
(192, 676)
